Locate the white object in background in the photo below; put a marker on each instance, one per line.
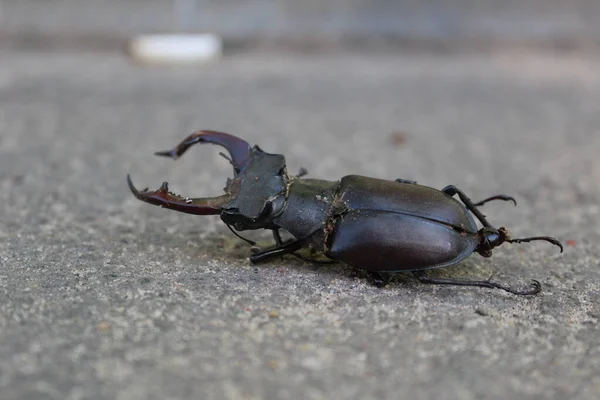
(178, 47)
(183, 48)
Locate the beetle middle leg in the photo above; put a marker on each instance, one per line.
(423, 277)
(282, 248)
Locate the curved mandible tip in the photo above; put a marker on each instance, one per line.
(164, 198)
(238, 149)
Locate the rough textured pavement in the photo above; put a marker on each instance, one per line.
(102, 296)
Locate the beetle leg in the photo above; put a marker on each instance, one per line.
(451, 190)
(286, 248)
(164, 198)
(502, 197)
(280, 243)
(238, 148)
(424, 278)
(277, 237)
(380, 278)
(252, 243)
(549, 239)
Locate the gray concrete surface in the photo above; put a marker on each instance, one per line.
(104, 297)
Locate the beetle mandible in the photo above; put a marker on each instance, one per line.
(375, 225)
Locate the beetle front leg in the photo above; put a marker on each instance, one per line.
(502, 197)
(451, 190)
(286, 248)
(423, 277)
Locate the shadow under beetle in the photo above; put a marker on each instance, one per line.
(372, 224)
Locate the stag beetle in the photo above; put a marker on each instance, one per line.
(375, 225)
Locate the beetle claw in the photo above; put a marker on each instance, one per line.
(536, 287)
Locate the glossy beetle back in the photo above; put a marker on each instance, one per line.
(392, 226)
(384, 241)
(364, 193)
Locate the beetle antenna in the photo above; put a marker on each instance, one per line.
(550, 239)
(250, 242)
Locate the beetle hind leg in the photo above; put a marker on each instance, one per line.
(423, 277)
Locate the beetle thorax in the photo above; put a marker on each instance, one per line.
(258, 192)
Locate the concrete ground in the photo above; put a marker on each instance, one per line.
(105, 297)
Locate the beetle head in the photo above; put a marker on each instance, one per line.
(252, 197)
(490, 237)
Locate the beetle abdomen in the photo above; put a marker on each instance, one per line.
(374, 240)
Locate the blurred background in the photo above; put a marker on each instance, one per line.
(558, 22)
